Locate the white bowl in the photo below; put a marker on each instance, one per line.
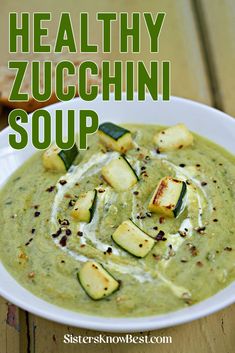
(202, 119)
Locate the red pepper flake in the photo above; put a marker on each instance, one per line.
(31, 275)
(68, 196)
(158, 151)
(68, 232)
(188, 301)
(101, 190)
(72, 203)
(161, 220)
(37, 214)
(182, 234)
(63, 182)
(63, 241)
(82, 245)
(228, 248)
(193, 249)
(63, 222)
(55, 235)
(109, 250)
(160, 236)
(144, 174)
(157, 257)
(200, 230)
(50, 189)
(199, 264)
(28, 242)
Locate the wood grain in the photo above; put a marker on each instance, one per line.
(9, 328)
(180, 43)
(212, 334)
(220, 20)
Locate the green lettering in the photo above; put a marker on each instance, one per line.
(65, 35)
(166, 80)
(65, 145)
(148, 81)
(14, 124)
(133, 32)
(39, 142)
(84, 35)
(40, 32)
(61, 68)
(94, 89)
(106, 29)
(37, 84)
(129, 80)
(86, 129)
(15, 94)
(115, 80)
(154, 29)
(21, 32)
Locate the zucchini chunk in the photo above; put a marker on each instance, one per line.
(115, 137)
(168, 197)
(132, 239)
(175, 137)
(96, 281)
(84, 207)
(58, 160)
(119, 174)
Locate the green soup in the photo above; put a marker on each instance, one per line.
(194, 254)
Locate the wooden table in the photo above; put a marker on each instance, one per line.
(198, 37)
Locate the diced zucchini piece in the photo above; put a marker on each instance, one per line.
(96, 281)
(119, 174)
(175, 137)
(132, 239)
(58, 160)
(115, 137)
(168, 197)
(84, 207)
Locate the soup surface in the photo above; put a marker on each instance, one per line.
(194, 253)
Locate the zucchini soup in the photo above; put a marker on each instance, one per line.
(141, 223)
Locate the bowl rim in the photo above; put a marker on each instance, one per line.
(122, 324)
